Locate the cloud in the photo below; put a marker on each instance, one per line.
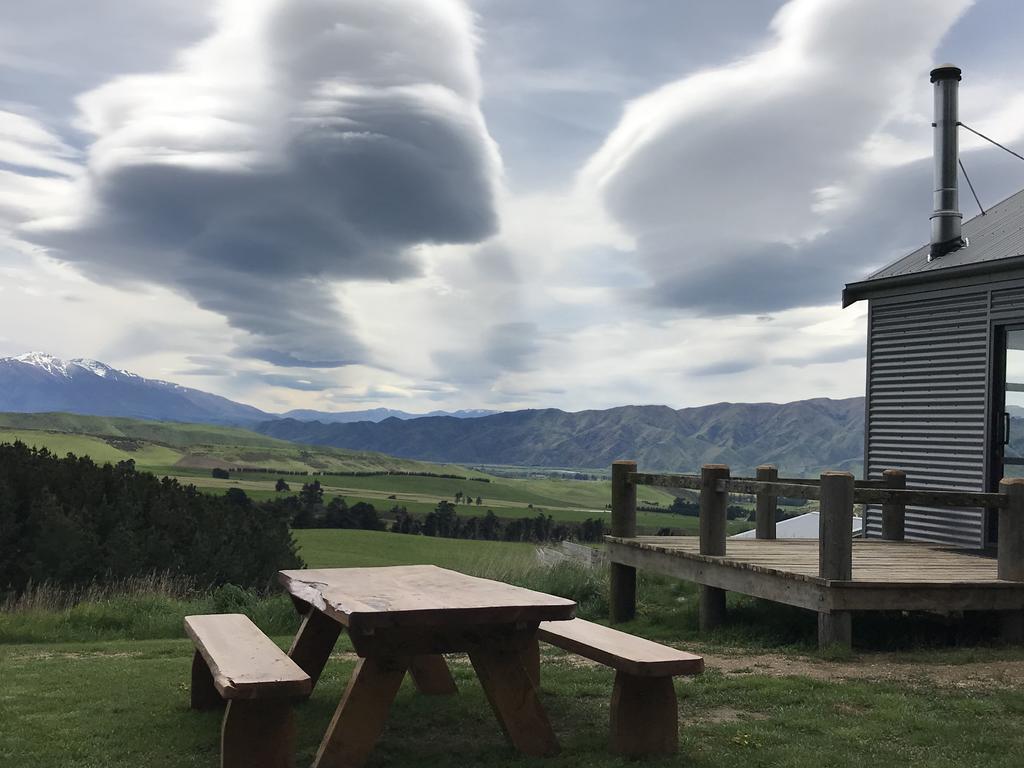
(740, 182)
(298, 144)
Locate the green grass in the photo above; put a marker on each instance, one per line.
(326, 548)
(105, 682)
(121, 704)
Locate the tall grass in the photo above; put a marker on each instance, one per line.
(49, 596)
(574, 581)
(142, 607)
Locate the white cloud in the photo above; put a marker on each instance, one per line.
(720, 175)
(298, 143)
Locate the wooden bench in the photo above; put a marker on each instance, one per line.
(644, 707)
(236, 663)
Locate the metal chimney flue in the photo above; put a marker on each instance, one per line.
(946, 218)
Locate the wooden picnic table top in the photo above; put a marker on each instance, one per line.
(413, 596)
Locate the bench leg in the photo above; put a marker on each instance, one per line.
(359, 719)
(513, 698)
(431, 675)
(204, 695)
(258, 733)
(314, 642)
(531, 661)
(644, 716)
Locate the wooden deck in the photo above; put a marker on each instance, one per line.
(887, 575)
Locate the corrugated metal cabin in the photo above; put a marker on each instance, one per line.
(945, 351)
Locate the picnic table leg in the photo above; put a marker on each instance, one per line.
(314, 642)
(531, 660)
(431, 675)
(359, 719)
(513, 698)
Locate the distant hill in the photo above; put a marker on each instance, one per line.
(377, 414)
(38, 382)
(41, 383)
(170, 446)
(801, 437)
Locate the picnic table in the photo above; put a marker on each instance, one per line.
(402, 618)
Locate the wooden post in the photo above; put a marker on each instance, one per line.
(623, 577)
(644, 716)
(894, 512)
(1010, 551)
(835, 551)
(713, 505)
(764, 514)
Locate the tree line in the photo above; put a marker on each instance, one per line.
(70, 521)
(307, 509)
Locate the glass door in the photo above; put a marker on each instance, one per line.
(1008, 409)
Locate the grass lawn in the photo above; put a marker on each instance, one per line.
(115, 704)
(105, 684)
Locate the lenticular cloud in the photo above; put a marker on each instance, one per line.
(304, 141)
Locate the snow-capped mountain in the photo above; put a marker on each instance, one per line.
(38, 382)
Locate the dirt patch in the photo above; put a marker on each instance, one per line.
(726, 715)
(885, 667)
(46, 655)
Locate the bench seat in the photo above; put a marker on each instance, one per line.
(235, 662)
(644, 710)
(620, 651)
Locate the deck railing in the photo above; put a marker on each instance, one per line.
(836, 494)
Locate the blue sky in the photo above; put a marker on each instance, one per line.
(340, 204)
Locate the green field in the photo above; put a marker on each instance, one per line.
(189, 451)
(188, 448)
(105, 684)
(326, 549)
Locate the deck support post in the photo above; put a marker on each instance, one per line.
(835, 551)
(765, 513)
(1010, 551)
(894, 513)
(713, 506)
(623, 577)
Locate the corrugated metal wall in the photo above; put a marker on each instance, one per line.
(928, 361)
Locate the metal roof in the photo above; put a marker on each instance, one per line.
(799, 527)
(991, 237)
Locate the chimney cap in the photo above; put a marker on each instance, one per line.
(945, 72)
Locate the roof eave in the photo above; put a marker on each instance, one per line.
(866, 289)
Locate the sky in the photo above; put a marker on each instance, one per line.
(445, 204)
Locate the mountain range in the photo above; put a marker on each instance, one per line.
(802, 437)
(39, 383)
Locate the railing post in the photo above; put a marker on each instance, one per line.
(713, 505)
(835, 551)
(1010, 551)
(764, 511)
(894, 513)
(623, 577)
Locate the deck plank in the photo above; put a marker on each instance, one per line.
(878, 562)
